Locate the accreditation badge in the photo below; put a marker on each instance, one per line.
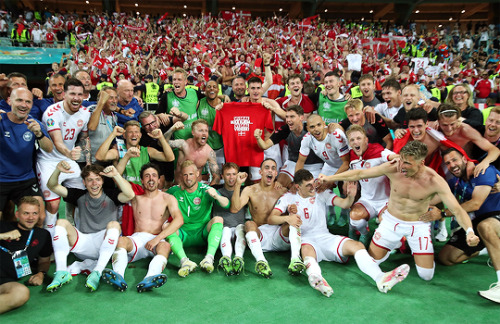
(21, 263)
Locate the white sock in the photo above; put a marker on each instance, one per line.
(120, 261)
(156, 265)
(312, 266)
(360, 225)
(239, 245)
(254, 245)
(107, 248)
(425, 273)
(385, 257)
(442, 226)
(50, 222)
(61, 248)
(483, 252)
(295, 241)
(498, 275)
(226, 248)
(366, 264)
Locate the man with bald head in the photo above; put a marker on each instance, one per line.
(18, 134)
(128, 106)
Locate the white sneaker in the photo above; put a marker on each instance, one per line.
(493, 293)
(390, 279)
(320, 284)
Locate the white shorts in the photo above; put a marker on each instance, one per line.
(390, 231)
(271, 238)
(87, 245)
(289, 169)
(139, 250)
(70, 180)
(328, 246)
(271, 153)
(372, 207)
(328, 169)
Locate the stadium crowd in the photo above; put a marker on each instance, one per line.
(227, 132)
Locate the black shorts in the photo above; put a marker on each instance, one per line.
(16, 190)
(459, 238)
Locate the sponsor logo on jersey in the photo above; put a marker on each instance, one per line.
(34, 188)
(27, 136)
(50, 122)
(79, 123)
(197, 200)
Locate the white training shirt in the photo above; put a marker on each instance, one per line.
(374, 188)
(312, 210)
(55, 118)
(330, 150)
(387, 112)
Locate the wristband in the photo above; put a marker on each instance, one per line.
(267, 64)
(40, 137)
(469, 230)
(443, 214)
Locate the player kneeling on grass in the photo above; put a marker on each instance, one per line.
(317, 242)
(97, 229)
(154, 212)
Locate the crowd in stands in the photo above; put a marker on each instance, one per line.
(285, 104)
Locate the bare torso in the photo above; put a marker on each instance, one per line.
(262, 201)
(192, 151)
(461, 138)
(150, 212)
(410, 197)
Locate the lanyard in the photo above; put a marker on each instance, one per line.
(27, 244)
(111, 127)
(461, 197)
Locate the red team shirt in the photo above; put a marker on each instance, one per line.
(236, 122)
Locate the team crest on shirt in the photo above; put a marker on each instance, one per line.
(368, 165)
(312, 200)
(197, 201)
(376, 236)
(204, 112)
(27, 136)
(46, 193)
(50, 122)
(79, 123)
(326, 105)
(175, 103)
(328, 145)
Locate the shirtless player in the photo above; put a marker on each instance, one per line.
(413, 185)
(261, 198)
(197, 150)
(152, 210)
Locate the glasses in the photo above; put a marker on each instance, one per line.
(459, 93)
(150, 124)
